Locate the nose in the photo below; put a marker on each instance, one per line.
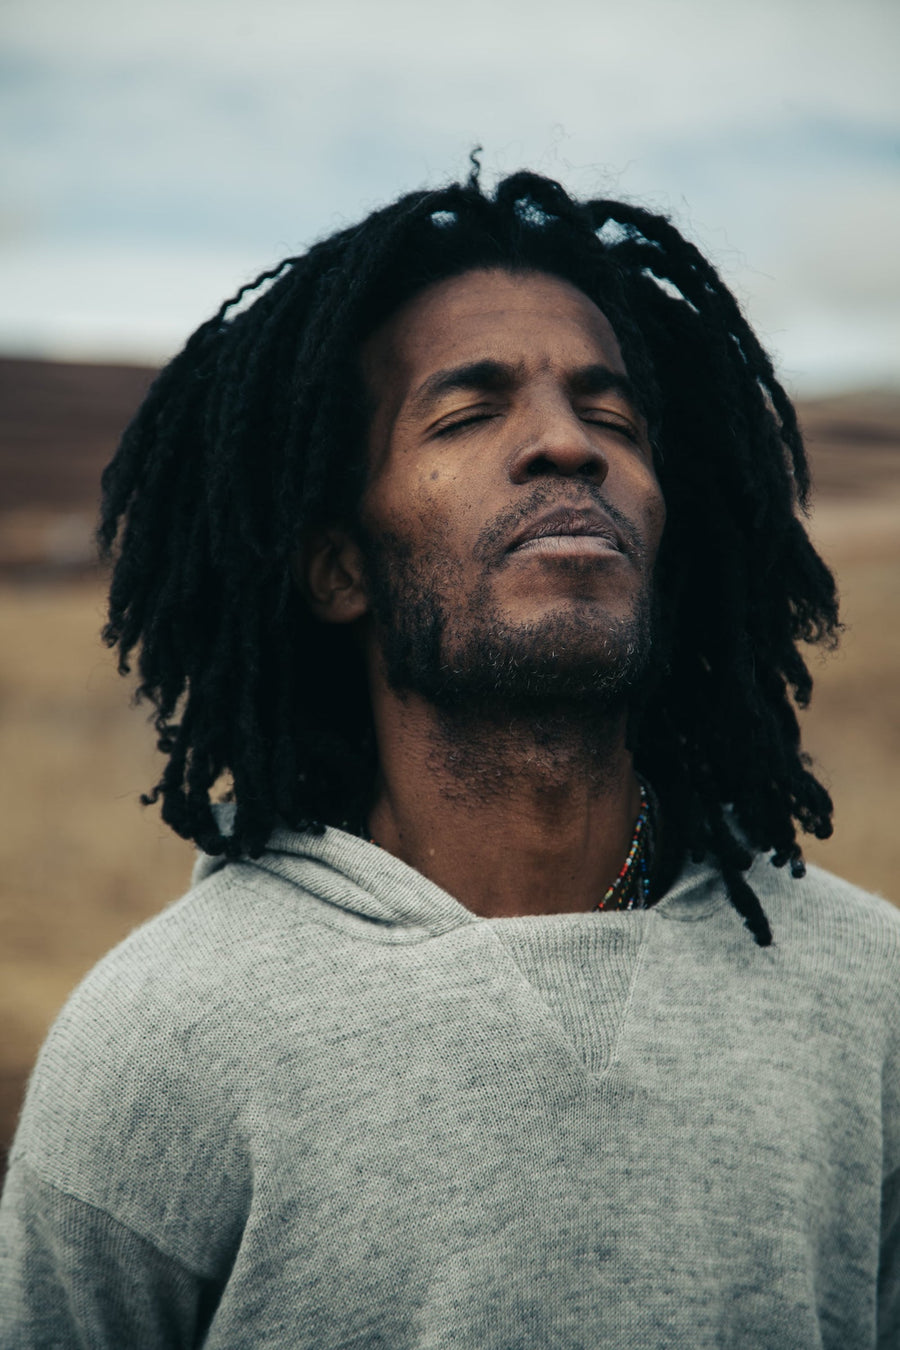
(557, 442)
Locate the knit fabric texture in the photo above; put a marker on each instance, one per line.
(318, 1103)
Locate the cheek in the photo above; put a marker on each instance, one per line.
(657, 516)
(445, 517)
(431, 508)
(651, 507)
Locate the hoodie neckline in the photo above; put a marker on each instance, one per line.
(358, 876)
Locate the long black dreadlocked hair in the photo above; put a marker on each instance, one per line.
(255, 433)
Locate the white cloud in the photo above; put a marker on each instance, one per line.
(708, 50)
(81, 300)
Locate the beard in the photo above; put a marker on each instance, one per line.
(461, 654)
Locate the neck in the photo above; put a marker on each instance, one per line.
(528, 814)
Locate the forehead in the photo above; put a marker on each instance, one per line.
(516, 317)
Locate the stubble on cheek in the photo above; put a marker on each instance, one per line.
(406, 586)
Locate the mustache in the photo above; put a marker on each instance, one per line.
(494, 538)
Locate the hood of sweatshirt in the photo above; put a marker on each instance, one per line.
(363, 880)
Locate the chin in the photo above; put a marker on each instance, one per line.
(564, 657)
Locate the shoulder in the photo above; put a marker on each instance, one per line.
(144, 1074)
(840, 935)
(208, 944)
(213, 951)
(831, 906)
(835, 945)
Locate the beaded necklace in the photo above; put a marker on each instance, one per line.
(631, 888)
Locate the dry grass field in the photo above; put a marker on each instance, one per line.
(81, 862)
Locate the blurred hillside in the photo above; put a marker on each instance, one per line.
(59, 424)
(81, 863)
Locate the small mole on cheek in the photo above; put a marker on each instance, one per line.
(435, 475)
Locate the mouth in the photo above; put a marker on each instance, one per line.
(569, 531)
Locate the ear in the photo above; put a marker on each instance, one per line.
(329, 571)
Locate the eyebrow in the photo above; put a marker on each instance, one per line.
(488, 376)
(499, 377)
(599, 379)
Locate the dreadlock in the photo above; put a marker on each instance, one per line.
(254, 435)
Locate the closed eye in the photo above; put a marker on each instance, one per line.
(611, 422)
(470, 419)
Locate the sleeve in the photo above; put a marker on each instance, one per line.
(889, 1265)
(889, 1259)
(72, 1276)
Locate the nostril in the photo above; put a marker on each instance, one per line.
(558, 458)
(548, 464)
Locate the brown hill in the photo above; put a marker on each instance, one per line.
(59, 424)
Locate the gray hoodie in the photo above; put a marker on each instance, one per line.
(318, 1103)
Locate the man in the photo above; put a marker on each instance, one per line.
(466, 562)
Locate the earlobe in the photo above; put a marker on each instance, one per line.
(329, 571)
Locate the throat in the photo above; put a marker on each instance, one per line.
(510, 815)
(552, 755)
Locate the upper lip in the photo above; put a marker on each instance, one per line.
(571, 520)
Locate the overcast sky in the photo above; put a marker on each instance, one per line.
(154, 156)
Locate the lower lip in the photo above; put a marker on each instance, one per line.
(570, 546)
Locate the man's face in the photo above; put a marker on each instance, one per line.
(512, 514)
